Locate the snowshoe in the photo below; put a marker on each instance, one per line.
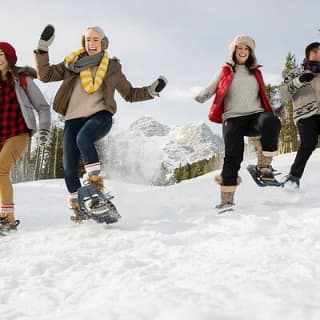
(225, 210)
(97, 205)
(5, 226)
(226, 207)
(263, 179)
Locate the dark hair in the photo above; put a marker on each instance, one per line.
(250, 63)
(12, 74)
(311, 47)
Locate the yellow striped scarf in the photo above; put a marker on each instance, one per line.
(88, 84)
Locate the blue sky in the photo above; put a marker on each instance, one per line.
(186, 41)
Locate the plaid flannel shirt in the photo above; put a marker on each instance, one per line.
(11, 119)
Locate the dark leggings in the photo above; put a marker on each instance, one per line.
(309, 129)
(265, 124)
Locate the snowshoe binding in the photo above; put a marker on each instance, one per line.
(226, 207)
(6, 226)
(264, 176)
(96, 205)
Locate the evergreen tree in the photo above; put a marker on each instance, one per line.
(196, 169)
(212, 163)
(186, 172)
(288, 133)
(54, 164)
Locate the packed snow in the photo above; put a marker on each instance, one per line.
(170, 256)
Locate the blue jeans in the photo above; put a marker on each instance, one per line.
(79, 137)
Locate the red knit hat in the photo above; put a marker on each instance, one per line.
(8, 49)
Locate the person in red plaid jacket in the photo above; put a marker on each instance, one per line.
(19, 97)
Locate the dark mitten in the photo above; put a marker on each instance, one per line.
(306, 77)
(157, 86)
(46, 38)
(160, 85)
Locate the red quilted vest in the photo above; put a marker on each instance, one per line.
(217, 107)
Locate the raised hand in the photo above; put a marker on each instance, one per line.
(46, 38)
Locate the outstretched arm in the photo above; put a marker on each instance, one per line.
(293, 82)
(47, 72)
(210, 90)
(131, 94)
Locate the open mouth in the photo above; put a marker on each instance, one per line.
(92, 50)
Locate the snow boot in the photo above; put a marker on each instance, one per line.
(227, 197)
(227, 193)
(98, 180)
(292, 182)
(94, 175)
(264, 159)
(8, 221)
(79, 216)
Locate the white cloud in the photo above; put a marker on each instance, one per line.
(185, 41)
(272, 78)
(181, 93)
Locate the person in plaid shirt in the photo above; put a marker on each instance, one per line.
(19, 96)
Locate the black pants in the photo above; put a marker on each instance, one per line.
(265, 124)
(309, 129)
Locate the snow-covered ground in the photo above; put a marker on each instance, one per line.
(170, 257)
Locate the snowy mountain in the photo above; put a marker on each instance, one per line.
(148, 151)
(170, 256)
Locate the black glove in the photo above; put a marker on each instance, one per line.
(306, 77)
(46, 38)
(162, 83)
(157, 86)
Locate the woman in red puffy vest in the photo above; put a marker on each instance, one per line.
(241, 105)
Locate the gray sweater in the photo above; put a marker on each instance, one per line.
(31, 99)
(243, 95)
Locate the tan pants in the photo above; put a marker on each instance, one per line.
(11, 152)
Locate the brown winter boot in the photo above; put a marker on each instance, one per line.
(78, 214)
(7, 219)
(227, 195)
(95, 179)
(264, 159)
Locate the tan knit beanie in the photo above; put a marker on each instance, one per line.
(244, 40)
